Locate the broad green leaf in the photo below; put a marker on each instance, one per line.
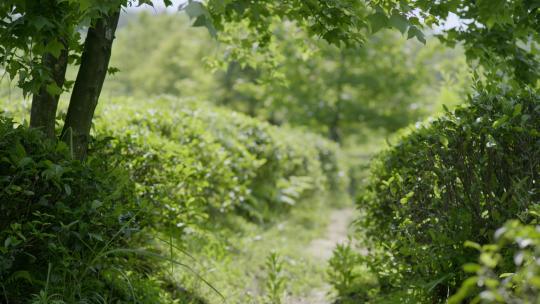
(54, 48)
(377, 21)
(195, 9)
(53, 89)
(399, 22)
(415, 32)
(204, 21)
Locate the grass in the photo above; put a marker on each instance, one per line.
(238, 269)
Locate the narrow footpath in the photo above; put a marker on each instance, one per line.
(321, 249)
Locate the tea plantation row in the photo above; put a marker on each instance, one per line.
(104, 230)
(463, 183)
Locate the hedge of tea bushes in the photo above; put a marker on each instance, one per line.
(157, 171)
(454, 180)
(497, 278)
(194, 160)
(65, 226)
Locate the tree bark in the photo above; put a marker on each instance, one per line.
(228, 82)
(88, 84)
(334, 132)
(44, 104)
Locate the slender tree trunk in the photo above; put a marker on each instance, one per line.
(334, 133)
(44, 104)
(228, 82)
(334, 128)
(87, 88)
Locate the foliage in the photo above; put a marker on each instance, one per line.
(176, 172)
(101, 227)
(194, 161)
(450, 181)
(304, 81)
(337, 21)
(388, 93)
(61, 221)
(502, 35)
(495, 280)
(293, 80)
(31, 29)
(160, 55)
(275, 282)
(348, 276)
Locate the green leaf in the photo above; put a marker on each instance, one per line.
(333, 36)
(25, 161)
(415, 32)
(85, 4)
(54, 48)
(22, 275)
(39, 22)
(399, 22)
(443, 140)
(204, 21)
(497, 123)
(471, 267)
(96, 204)
(53, 89)
(112, 70)
(67, 188)
(377, 21)
(517, 109)
(488, 260)
(195, 9)
(474, 245)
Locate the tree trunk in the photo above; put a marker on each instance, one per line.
(228, 82)
(44, 103)
(87, 88)
(334, 132)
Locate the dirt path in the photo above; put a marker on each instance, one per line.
(321, 249)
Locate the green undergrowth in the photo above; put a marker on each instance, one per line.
(178, 202)
(437, 206)
(234, 163)
(239, 269)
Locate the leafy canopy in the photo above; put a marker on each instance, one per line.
(501, 35)
(31, 29)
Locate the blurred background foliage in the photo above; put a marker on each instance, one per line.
(344, 94)
(297, 80)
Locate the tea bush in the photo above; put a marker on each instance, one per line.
(196, 161)
(453, 180)
(61, 221)
(494, 279)
(104, 230)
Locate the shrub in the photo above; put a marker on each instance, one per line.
(94, 231)
(275, 279)
(194, 161)
(495, 282)
(59, 220)
(348, 276)
(456, 179)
